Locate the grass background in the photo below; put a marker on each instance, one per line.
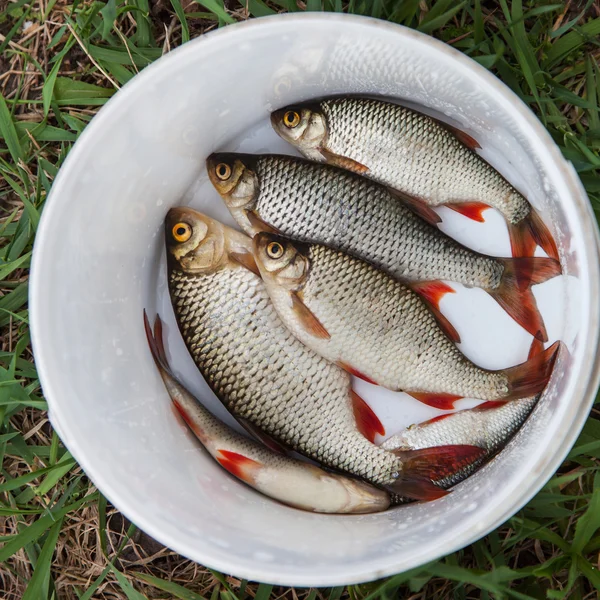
(59, 63)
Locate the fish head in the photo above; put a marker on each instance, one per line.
(304, 126)
(281, 261)
(234, 177)
(195, 243)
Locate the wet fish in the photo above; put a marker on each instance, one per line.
(266, 377)
(323, 204)
(490, 425)
(415, 154)
(276, 475)
(375, 327)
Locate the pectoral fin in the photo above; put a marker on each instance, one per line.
(307, 318)
(246, 260)
(258, 224)
(464, 138)
(343, 162)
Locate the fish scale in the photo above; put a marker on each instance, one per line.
(431, 156)
(323, 204)
(392, 333)
(262, 373)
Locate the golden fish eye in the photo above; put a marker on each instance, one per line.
(275, 250)
(223, 171)
(182, 232)
(291, 119)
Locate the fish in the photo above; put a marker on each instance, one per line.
(278, 476)
(323, 204)
(267, 378)
(490, 425)
(375, 327)
(432, 162)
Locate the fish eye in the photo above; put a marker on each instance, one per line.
(182, 232)
(275, 250)
(291, 119)
(223, 171)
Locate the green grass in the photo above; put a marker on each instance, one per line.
(60, 538)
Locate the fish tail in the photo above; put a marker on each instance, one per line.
(514, 293)
(531, 377)
(420, 467)
(156, 345)
(529, 233)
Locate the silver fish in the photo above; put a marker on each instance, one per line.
(415, 154)
(318, 203)
(291, 481)
(362, 319)
(265, 376)
(490, 425)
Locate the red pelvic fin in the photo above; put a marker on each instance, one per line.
(469, 141)
(531, 377)
(240, 466)
(246, 259)
(418, 206)
(343, 162)
(438, 462)
(432, 291)
(529, 233)
(418, 489)
(309, 321)
(435, 419)
(354, 372)
(258, 224)
(471, 210)
(514, 292)
(441, 401)
(367, 421)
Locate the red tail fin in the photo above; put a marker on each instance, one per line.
(438, 462)
(531, 377)
(514, 292)
(529, 233)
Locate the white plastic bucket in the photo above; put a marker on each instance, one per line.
(96, 264)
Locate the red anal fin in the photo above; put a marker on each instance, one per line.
(354, 372)
(438, 462)
(258, 224)
(490, 404)
(310, 323)
(262, 437)
(531, 377)
(471, 210)
(367, 421)
(240, 466)
(418, 206)
(246, 259)
(464, 138)
(343, 162)
(418, 489)
(432, 291)
(441, 401)
(537, 347)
